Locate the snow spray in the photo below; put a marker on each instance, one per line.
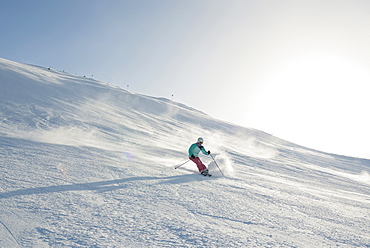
(224, 163)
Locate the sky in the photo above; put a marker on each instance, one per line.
(298, 70)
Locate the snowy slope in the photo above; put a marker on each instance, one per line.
(85, 164)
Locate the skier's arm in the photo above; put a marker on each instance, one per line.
(204, 151)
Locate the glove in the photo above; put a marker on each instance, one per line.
(209, 152)
(192, 156)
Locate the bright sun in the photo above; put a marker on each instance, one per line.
(309, 98)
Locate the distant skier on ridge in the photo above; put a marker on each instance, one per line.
(194, 150)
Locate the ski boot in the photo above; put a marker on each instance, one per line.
(205, 172)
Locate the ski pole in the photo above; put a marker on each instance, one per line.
(216, 164)
(182, 164)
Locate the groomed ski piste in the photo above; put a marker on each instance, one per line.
(87, 164)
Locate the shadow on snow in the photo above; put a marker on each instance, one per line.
(101, 186)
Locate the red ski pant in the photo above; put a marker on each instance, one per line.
(199, 163)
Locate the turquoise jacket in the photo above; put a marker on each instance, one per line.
(195, 149)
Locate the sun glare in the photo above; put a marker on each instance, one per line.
(311, 97)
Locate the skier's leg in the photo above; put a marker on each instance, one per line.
(199, 163)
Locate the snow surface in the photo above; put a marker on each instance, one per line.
(86, 164)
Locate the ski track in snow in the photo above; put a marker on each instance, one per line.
(11, 234)
(85, 164)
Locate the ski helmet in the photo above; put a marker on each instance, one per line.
(200, 140)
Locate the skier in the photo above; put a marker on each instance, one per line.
(194, 150)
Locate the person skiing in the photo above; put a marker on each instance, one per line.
(194, 150)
